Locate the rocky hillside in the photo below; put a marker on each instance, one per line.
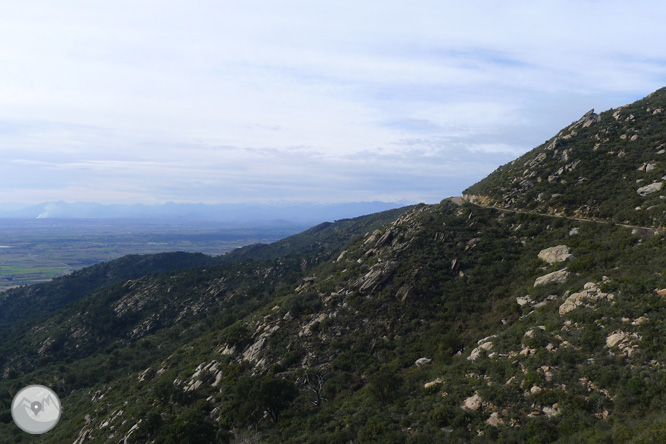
(609, 166)
(502, 318)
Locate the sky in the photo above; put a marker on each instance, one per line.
(149, 101)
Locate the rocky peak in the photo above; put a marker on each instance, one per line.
(608, 166)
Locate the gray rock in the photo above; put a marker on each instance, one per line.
(649, 189)
(556, 277)
(590, 293)
(472, 403)
(556, 254)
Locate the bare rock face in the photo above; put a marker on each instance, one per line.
(625, 343)
(590, 293)
(649, 189)
(472, 404)
(83, 436)
(556, 254)
(556, 277)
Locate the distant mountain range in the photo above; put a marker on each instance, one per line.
(294, 212)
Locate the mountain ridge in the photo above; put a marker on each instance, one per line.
(614, 156)
(527, 318)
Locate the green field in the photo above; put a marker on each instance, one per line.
(33, 251)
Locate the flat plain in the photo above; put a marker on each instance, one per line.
(38, 250)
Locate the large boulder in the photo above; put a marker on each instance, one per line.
(473, 403)
(649, 189)
(556, 254)
(556, 277)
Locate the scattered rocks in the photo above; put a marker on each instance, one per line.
(588, 119)
(84, 434)
(527, 299)
(556, 254)
(623, 341)
(556, 277)
(306, 330)
(590, 293)
(648, 166)
(530, 333)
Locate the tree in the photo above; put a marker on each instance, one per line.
(314, 380)
(275, 395)
(254, 397)
(385, 385)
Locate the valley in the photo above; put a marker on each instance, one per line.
(38, 250)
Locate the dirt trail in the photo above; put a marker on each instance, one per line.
(580, 219)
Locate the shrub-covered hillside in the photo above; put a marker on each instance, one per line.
(481, 321)
(609, 165)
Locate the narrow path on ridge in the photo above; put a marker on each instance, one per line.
(561, 216)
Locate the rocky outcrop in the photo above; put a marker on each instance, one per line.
(472, 404)
(590, 293)
(477, 199)
(83, 436)
(476, 353)
(556, 254)
(588, 119)
(494, 420)
(433, 383)
(649, 189)
(625, 342)
(378, 275)
(556, 277)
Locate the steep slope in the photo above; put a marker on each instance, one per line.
(505, 360)
(318, 241)
(450, 323)
(609, 165)
(30, 302)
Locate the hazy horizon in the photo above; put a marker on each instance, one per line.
(150, 102)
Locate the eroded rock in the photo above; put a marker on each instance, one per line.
(556, 254)
(590, 293)
(556, 277)
(649, 189)
(473, 403)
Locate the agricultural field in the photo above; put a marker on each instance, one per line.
(39, 250)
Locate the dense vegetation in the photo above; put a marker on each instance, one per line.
(592, 168)
(428, 325)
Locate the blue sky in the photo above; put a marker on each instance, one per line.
(148, 101)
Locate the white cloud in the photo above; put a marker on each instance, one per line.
(172, 100)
